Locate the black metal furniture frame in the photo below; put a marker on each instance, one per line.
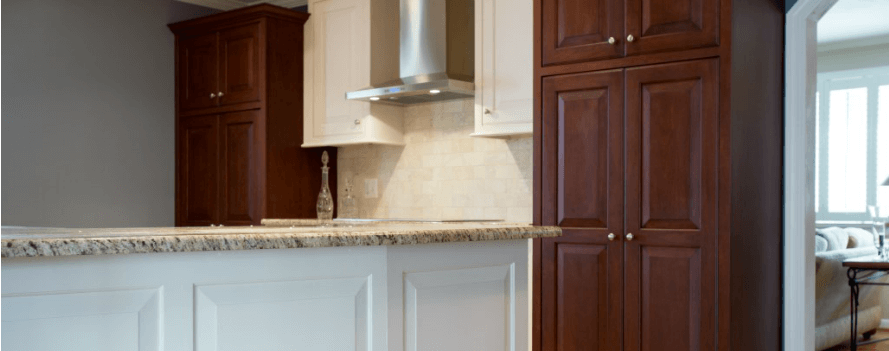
(854, 283)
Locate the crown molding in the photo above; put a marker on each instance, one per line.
(854, 43)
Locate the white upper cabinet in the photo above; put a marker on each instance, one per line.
(338, 49)
(504, 73)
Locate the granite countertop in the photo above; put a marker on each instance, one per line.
(274, 234)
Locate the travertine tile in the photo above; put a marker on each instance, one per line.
(442, 172)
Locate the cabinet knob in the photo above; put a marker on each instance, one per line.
(487, 111)
(220, 94)
(629, 236)
(611, 236)
(611, 40)
(212, 96)
(357, 122)
(630, 38)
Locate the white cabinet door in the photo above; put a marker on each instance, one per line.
(504, 73)
(337, 60)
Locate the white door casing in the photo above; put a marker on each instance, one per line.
(799, 170)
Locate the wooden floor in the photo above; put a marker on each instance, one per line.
(880, 346)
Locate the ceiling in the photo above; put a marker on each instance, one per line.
(234, 4)
(854, 19)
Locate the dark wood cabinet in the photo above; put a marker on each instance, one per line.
(239, 167)
(579, 30)
(664, 25)
(220, 67)
(198, 71)
(663, 167)
(239, 68)
(239, 120)
(646, 169)
(582, 301)
(671, 175)
(196, 174)
(574, 31)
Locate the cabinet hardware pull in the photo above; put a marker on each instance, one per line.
(611, 40)
(487, 111)
(212, 96)
(357, 122)
(611, 236)
(630, 38)
(629, 236)
(220, 94)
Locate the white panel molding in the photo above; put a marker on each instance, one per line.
(146, 304)
(416, 283)
(210, 298)
(799, 167)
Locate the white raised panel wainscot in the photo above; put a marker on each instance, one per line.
(449, 296)
(342, 38)
(504, 96)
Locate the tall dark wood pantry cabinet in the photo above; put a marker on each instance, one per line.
(239, 119)
(658, 127)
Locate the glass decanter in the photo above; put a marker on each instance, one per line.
(325, 200)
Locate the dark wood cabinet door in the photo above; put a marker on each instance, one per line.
(239, 168)
(666, 25)
(671, 184)
(582, 163)
(198, 69)
(197, 168)
(578, 30)
(239, 64)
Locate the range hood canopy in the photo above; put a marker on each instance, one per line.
(436, 55)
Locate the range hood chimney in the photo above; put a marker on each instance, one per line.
(437, 55)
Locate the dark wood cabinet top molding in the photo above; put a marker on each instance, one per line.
(239, 16)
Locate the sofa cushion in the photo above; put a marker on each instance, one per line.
(820, 244)
(837, 238)
(859, 238)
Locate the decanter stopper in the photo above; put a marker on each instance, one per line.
(325, 200)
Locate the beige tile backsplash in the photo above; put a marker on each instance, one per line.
(442, 172)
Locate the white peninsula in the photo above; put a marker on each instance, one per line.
(289, 285)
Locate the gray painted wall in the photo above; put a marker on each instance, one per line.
(88, 112)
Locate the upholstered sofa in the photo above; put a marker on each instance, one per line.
(832, 314)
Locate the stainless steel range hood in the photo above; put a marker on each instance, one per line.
(437, 54)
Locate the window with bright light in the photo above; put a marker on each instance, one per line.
(852, 143)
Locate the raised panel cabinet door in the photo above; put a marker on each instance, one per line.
(504, 68)
(198, 72)
(239, 168)
(197, 171)
(339, 41)
(665, 25)
(583, 157)
(239, 56)
(671, 179)
(580, 30)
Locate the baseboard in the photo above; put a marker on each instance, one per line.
(884, 324)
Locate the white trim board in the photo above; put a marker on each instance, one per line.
(799, 154)
(854, 43)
